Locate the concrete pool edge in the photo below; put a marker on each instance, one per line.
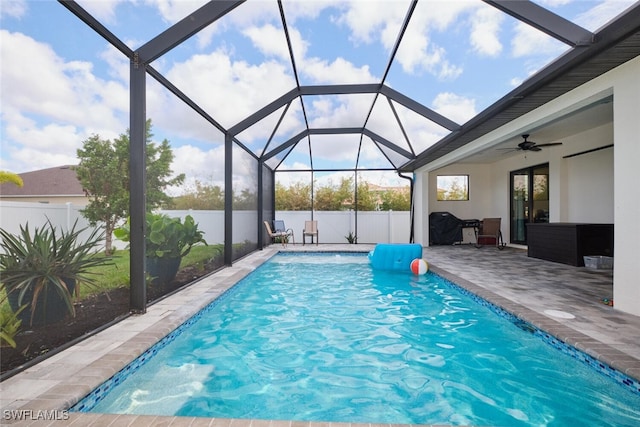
(60, 382)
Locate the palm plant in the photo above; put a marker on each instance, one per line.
(38, 269)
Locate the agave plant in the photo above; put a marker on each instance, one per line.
(48, 265)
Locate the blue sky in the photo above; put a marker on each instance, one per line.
(61, 82)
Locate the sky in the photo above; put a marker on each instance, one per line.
(61, 83)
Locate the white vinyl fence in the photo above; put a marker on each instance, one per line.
(333, 226)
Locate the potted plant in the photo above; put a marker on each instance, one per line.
(168, 240)
(42, 270)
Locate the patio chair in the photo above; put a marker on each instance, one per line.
(488, 233)
(310, 229)
(276, 237)
(279, 227)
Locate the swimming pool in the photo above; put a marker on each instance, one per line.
(361, 346)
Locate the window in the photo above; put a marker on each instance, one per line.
(453, 187)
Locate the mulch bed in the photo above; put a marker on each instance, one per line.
(91, 313)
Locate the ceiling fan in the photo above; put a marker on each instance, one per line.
(527, 145)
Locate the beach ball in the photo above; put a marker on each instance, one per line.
(419, 266)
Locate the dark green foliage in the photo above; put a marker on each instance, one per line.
(104, 174)
(166, 237)
(48, 259)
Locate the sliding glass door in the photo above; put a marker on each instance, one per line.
(529, 200)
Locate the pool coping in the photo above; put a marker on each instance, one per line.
(42, 393)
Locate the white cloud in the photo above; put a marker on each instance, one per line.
(272, 42)
(200, 164)
(370, 21)
(173, 11)
(118, 64)
(246, 15)
(602, 13)
(338, 71)
(290, 178)
(37, 81)
(418, 52)
(455, 107)
(230, 91)
(529, 41)
(47, 101)
(554, 3)
(104, 11)
(13, 8)
(485, 28)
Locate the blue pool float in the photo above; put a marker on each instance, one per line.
(394, 256)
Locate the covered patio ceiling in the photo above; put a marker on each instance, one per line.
(373, 85)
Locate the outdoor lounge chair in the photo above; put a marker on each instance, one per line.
(310, 229)
(279, 227)
(276, 237)
(488, 233)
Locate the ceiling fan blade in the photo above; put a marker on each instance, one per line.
(549, 144)
(534, 148)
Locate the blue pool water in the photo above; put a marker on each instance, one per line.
(325, 338)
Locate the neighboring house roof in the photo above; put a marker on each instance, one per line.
(57, 181)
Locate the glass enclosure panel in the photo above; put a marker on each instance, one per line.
(268, 210)
(245, 202)
(334, 191)
(293, 191)
(197, 148)
(65, 102)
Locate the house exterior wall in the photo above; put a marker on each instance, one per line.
(587, 192)
(599, 187)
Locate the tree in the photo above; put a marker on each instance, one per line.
(396, 199)
(367, 199)
(104, 174)
(246, 200)
(6, 176)
(335, 198)
(330, 197)
(296, 197)
(201, 197)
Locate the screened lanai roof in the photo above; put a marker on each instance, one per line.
(332, 85)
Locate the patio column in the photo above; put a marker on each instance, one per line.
(137, 186)
(626, 128)
(421, 206)
(228, 199)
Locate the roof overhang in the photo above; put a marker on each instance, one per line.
(614, 45)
